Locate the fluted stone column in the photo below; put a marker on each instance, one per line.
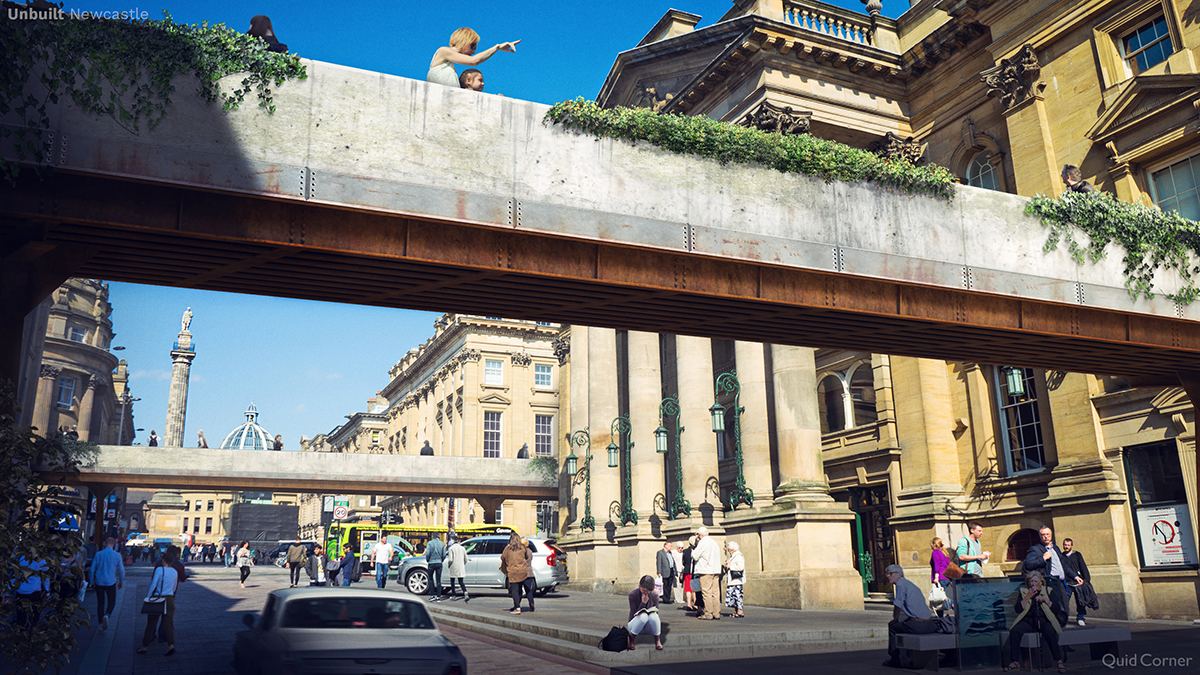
(181, 358)
(85, 407)
(640, 543)
(47, 380)
(602, 410)
(699, 456)
(756, 433)
(798, 425)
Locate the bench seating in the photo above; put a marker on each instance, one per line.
(1101, 640)
(923, 649)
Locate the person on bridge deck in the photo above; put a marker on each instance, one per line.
(297, 557)
(435, 555)
(318, 567)
(201, 442)
(463, 43)
(278, 446)
(153, 441)
(456, 567)
(1036, 607)
(643, 612)
(471, 79)
(910, 615)
(1073, 179)
(514, 563)
(245, 558)
(260, 27)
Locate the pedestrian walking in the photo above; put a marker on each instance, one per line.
(971, 555)
(909, 615)
(1056, 570)
(435, 554)
(643, 613)
(664, 563)
(530, 584)
(159, 603)
(297, 557)
(677, 556)
(227, 553)
(735, 578)
(108, 576)
(706, 560)
(1080, 566)
(348, 569)
(689, 591)
(456, 567)
(514, 563)
(381, 555)
(245, 558)
(1037, 610)
(318, 566)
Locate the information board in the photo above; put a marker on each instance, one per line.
(1166, 536)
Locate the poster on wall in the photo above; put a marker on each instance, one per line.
(1166, 536)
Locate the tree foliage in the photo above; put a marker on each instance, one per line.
(1153, 240)
(122, 68)
(725, 142)
(29, 508)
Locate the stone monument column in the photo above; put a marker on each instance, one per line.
(181, 357)
(756, 435)
(85, 407)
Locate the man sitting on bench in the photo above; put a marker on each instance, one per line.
(910, 615)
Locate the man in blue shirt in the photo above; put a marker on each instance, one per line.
(435, 554)
(969, 552)
(108, 575)
(910, 615)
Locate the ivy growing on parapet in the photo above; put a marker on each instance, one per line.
(1153, 240)
(725, 142)
(122, 68)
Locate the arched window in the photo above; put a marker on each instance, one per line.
(833, 407)
(981, 172)
(1019, 544)
(862, 394)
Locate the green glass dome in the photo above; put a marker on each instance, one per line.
(250, 435)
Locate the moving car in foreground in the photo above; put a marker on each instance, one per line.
(365, 631)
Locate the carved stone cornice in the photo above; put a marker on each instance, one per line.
(521, 359)
(471, 355)
(562, 349)
(50, 372)
(776, 119)
(1015, 79)
(896, 147)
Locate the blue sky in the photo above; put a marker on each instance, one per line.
(305, 364)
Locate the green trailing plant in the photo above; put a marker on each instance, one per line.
(122, 68)
(1153, 240)
(725, 142)
(30, 506)
(544, 467)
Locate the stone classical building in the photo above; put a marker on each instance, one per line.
(479, 387)
(857, 460)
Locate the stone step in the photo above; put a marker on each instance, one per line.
(581, 644)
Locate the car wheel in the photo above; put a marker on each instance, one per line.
(417, 582)
(544, 590)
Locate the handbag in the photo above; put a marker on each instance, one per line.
(159, 606)
(953, 571)
(82, 590)
(937, 595)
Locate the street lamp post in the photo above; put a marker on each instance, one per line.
(678, 505)
(728, 383)
(125, 400)
(583, 440)
(621, 427)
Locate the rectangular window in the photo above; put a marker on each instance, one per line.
(1175, 188)
(210, 505)
(185, 524)
(493, 371)
(374, 438)
(543, 435)
(1147, 46)
(1161, 518)
(196, 525)
(208, 526)
(66, 392)
(76, 334)
(187, 506)
(543, 375)
(1020, 422)
(491, 434)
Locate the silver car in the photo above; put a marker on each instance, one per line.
(364, 631)
(483, 566)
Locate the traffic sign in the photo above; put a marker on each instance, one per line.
(340, 512)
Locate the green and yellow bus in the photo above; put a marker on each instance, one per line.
(408, 540)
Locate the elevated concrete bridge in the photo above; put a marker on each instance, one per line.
(372, 189)
(484, 479)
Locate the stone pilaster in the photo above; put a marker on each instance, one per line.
(47, 382)
(639, 543)
(86, 406)
(602, 410)
(181, 358)
(756, 434)
(699, 452)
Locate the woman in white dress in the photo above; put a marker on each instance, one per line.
(462, 51)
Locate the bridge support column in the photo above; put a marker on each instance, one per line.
(490, 505)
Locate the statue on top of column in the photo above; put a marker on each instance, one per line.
(187, 319)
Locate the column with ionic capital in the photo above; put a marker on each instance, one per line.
(798, 425)
(756, 434)
(699, 456)
(47, 382)
(85, 408)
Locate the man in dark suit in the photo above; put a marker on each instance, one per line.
(1056, 567)
(666, 569)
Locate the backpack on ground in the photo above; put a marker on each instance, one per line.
(617, 640)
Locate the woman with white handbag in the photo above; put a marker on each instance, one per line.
(939, 560)
(159, 603)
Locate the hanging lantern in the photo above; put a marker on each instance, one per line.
(613, 452)
(1014, 381)
(572, 465)
(718, 418)
(660, 439)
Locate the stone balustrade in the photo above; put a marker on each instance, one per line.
(829, 20)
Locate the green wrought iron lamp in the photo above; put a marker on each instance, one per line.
(678, 505)
(1014, 381)
(728, 383)
(583, 440)
(621, 429)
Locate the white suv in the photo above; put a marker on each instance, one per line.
(483, 566)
